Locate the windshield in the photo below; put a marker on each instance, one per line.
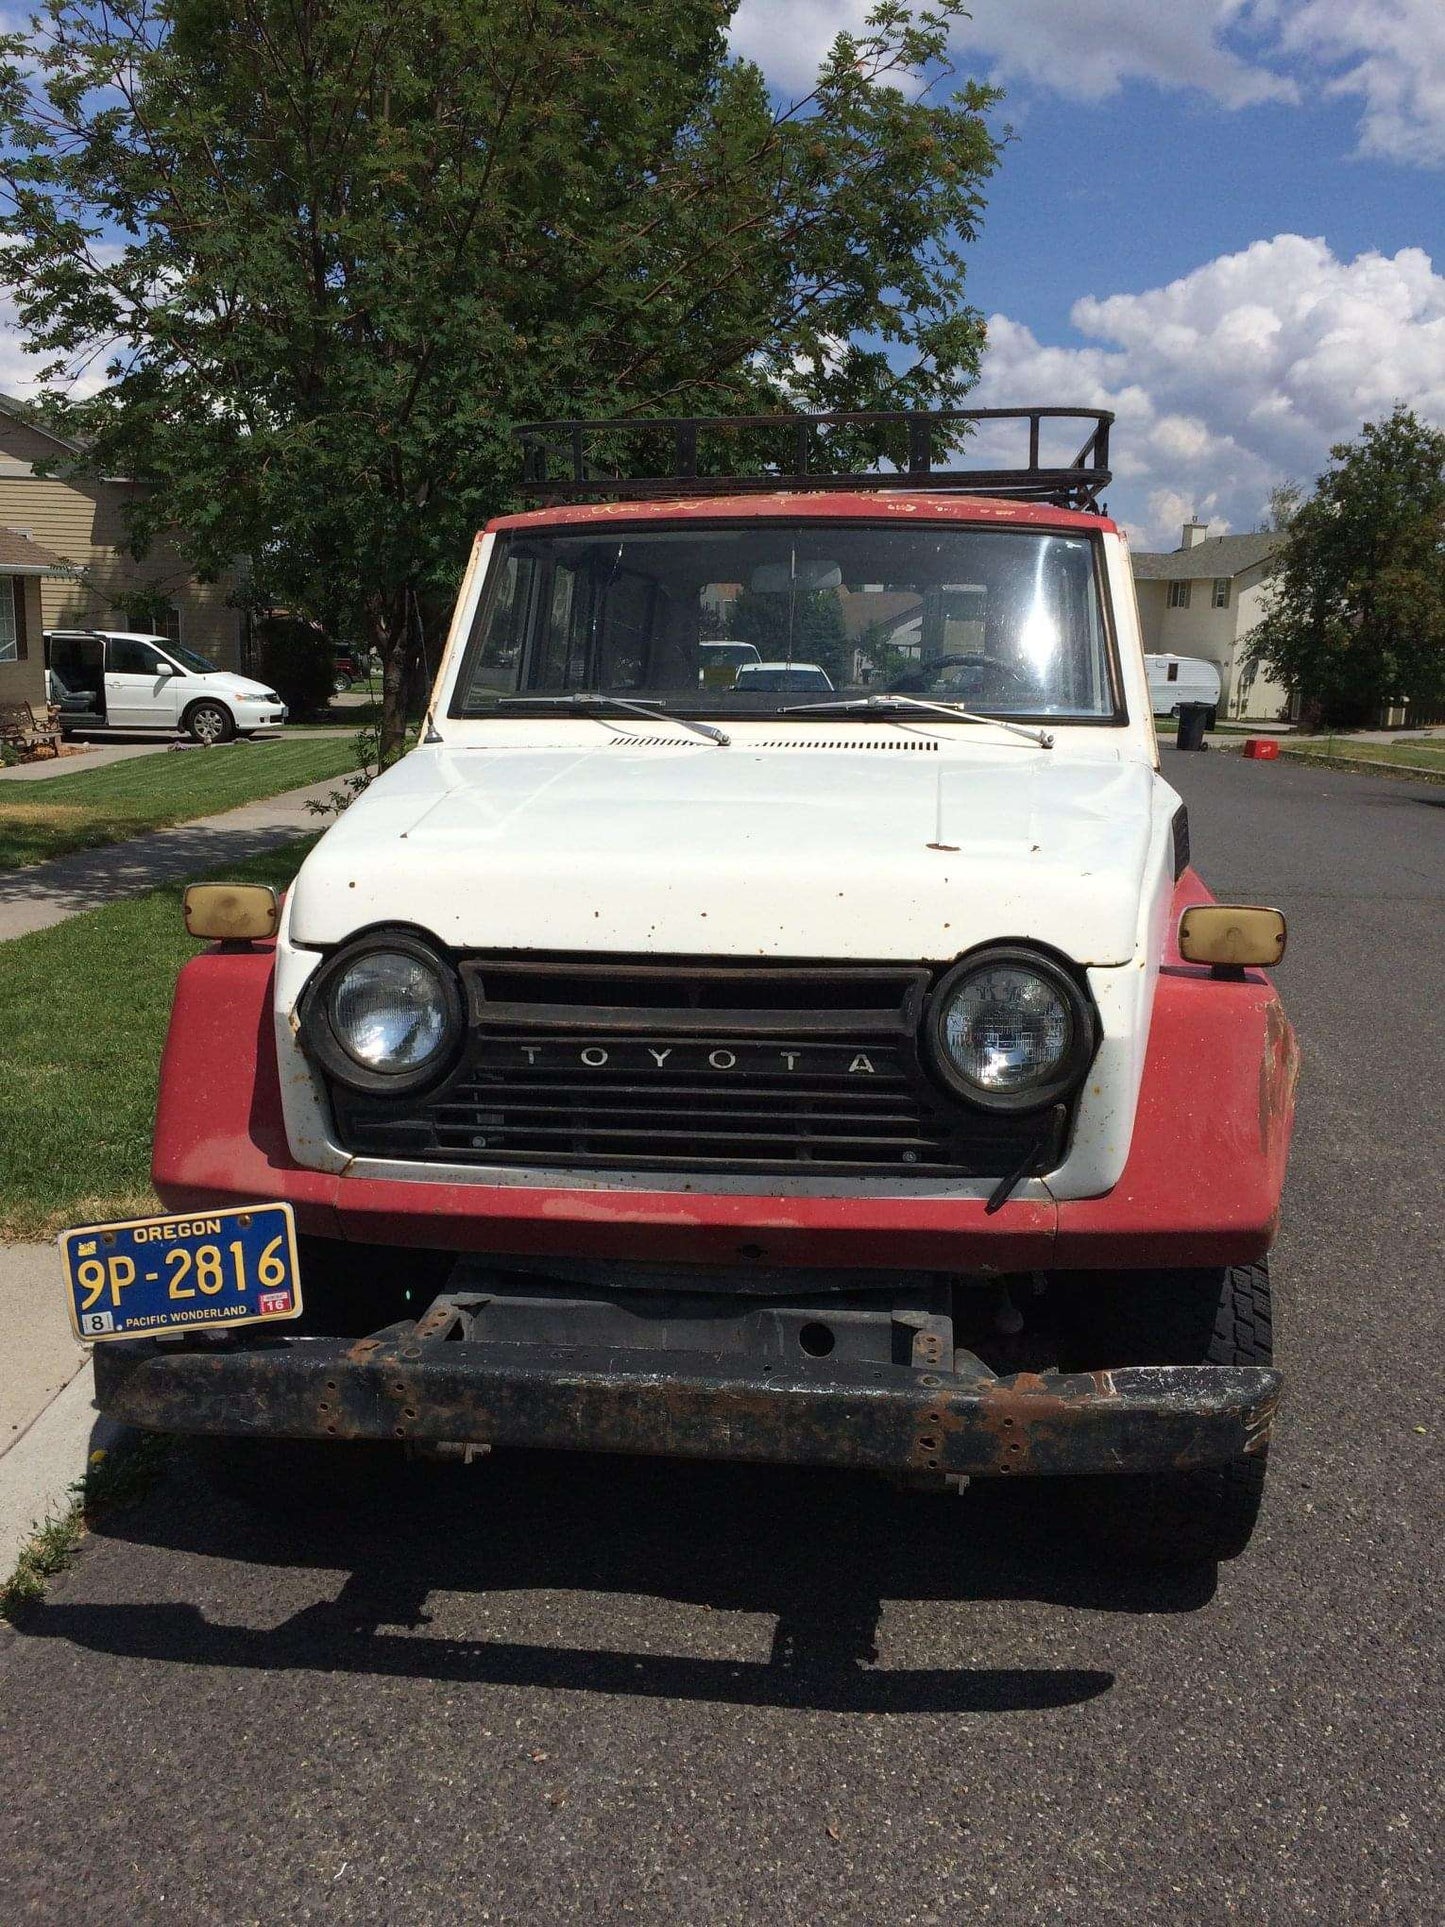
(747, 619)
(188, 657)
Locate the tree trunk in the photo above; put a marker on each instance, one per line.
(391, 638)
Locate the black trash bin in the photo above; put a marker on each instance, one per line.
(1193, 721)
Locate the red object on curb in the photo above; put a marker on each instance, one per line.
(1263, 748)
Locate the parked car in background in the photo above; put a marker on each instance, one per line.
(1181, 679)
(773, 678)
(350, 667)
(719, 662)
(126, 679)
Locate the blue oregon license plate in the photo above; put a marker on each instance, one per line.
(192, 1270)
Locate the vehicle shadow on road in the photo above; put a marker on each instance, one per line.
(819, 1551)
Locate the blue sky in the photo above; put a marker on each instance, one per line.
(1225, 218)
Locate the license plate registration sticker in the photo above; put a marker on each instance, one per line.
(191, 1271)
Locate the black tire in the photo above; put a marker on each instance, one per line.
(1174, 1318)
(340, 684)
(209, 722)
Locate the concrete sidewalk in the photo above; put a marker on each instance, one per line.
(48, 1425)
(48, 893)
(95, 758)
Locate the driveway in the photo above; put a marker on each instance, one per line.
(552, 1689)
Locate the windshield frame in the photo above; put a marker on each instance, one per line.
(682, 704)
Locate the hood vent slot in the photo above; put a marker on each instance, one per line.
(782, 742)
(848, 742)
(661, 742)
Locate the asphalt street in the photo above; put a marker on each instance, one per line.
(554, 1689)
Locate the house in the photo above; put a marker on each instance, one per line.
(96, 583)
(24, 565)
(1203, 599)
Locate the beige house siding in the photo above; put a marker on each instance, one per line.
(1218, 636)
(83, 520)
(23, 681)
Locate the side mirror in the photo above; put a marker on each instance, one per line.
(169, 669)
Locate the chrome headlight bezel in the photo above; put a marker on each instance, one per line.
(1078, 1053)
(322, 1035)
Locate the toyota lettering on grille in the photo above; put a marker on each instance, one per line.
(637, 1058)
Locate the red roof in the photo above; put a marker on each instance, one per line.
(872, 505)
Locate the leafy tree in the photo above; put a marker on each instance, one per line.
(1284, 505)
(329, 252)
(1358, 605)
(810, 630)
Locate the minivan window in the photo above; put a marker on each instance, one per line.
(130, 657)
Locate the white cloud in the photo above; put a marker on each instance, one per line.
(1387, 54)
(1084, 48)
(1390, 54)
(1237, 375)
(1087, 49)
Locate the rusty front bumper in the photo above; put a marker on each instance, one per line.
(402, 1386)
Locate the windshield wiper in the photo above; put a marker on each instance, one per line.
(594, 699)
(1042, 737)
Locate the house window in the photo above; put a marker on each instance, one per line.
(13, 586)
(170, 622)
(1220, 598)
(1179, 595)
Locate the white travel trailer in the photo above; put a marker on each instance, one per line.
(1181, 679)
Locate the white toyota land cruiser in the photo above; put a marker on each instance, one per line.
(659, 1063)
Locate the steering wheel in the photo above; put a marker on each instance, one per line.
(999, 679)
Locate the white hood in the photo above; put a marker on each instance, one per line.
(744, 851)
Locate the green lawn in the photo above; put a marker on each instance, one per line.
(45, 819)
(82, 1022)
(1428, 755)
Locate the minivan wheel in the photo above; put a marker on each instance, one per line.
(209, 722)
(1207, 1317)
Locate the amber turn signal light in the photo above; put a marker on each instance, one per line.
(1231, 935)
(231, 912)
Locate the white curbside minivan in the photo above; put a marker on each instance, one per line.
(126, 679)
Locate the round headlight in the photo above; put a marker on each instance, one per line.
(389, 1011)
(1010, 1030)
(385, 1014)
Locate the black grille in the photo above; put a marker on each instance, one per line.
(681, 1067)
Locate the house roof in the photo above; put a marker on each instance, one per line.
(16, 411)
(20, 556)
(1215, 556)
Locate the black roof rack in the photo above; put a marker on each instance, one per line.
(570, 460)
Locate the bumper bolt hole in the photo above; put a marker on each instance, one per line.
(816, 1340)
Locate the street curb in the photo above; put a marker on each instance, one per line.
(49, 1457)
(1417, 772)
